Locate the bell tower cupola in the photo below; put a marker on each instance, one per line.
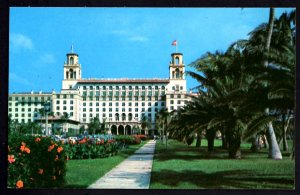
(72, 70)
(177, 67)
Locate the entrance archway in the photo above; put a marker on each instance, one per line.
(113, 130)
(121, 130)
(128, 130)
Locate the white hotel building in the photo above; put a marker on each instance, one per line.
(121, 103)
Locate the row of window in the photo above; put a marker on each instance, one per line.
(91, 116)
(23, 109)
(178, 101)
(123, 87)
(65, 96)
(23, 104)
(64, 101)
(123, 104)
(117, 109)
(156, 98)
(123, 93)
(17, 98)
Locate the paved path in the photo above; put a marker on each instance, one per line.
(132, 173)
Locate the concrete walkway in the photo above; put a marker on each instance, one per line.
(132, 173)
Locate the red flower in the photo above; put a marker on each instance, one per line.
(37, 139)
(11, 158)
(59, 149)
(22, 148)
(19, 184)
(41, 171)
(27, 150)
(50, 148)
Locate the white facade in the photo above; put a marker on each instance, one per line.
(121, 103)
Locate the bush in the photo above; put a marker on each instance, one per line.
(35, 162)
(128, 139)
(101, 147)
(142, 137)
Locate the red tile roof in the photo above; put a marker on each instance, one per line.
(124, 80)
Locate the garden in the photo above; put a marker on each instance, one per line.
(42, 162)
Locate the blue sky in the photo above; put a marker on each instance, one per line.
(118, 42)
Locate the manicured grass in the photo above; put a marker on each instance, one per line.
(186, 167)
(82, 173)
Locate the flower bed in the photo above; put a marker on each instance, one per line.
(128, 139)
(35, 162)
(99, 146)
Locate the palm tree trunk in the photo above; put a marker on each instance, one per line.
(210, 136)
(284, 130)
(274, 151)
(198, 141)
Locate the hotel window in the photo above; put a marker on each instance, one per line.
(123, 87)
(136, 87)
(97, 109)
(103, 104)
(103, 115)
(97, 104)
(130, 98)
(156, 87)
(162, 104)
(149, 109)
(110, 98)
(91, 87)
(149, 98)
(149, 116)
(178, 96)
(178, 102)
(172, 108)
(84, 104)
(136, 104)
(9, 109)
(110, 115)
(97, 87)
(104, 87)
(97, 98)
(97, 93)
(156, 98)
(65, 107)
(136, 115)
(84, 98)
(84, 115)
(143, 98)
(71, 96)
(91, 109)
(136, 98)
(16, 115)
(172, 102)
(149, 103)
(143, 109)
(149, 87)
(103, 98)
(57, 101)
(130, 87)
(57, 107)
(84, 109)
(91, 103)
(64, 102)
(117, 98)
(110, 109)
(91, 115)
(71, 108)
(16, 109)
(110, 104)
(117, 103)
(123, 104)
(110, 87)
(117, 87)
(172, 96)
(129, 109)
(156, 104)
(64, 96)
(123, 98)
(143, 103)
(181, 88)
(10, 98)
(29, 114)
(84, 87)
(143, 87)
(117, 109)
(129, 104)
(71, 113)
(136, 93)
(136, 110)
(23, 109)
(155, 109)
(123, 109)
(103, 109)
(163, 87)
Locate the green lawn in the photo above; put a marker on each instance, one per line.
(82, 173)
(183, 167)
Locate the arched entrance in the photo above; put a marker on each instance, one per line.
(128, 130)
(113, 130)
(117, 117)
(121, 130)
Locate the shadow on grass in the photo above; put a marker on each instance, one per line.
(244, 179)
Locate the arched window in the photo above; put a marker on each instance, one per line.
(177, 60)
(71, 73)
(177, 73)
(71, 60)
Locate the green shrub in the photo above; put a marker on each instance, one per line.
(35, 162)
(96, 148)
(128, 139)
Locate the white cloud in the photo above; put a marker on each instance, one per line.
(17, 79)
(19, 41)
(47, 59)
(138, 38)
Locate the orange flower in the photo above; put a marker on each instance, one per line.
(50, 148)
(41, 171)
(27, 150)
(22, 148)
(11, 158)
(59, 149)
(19, 184)
(37, 139)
